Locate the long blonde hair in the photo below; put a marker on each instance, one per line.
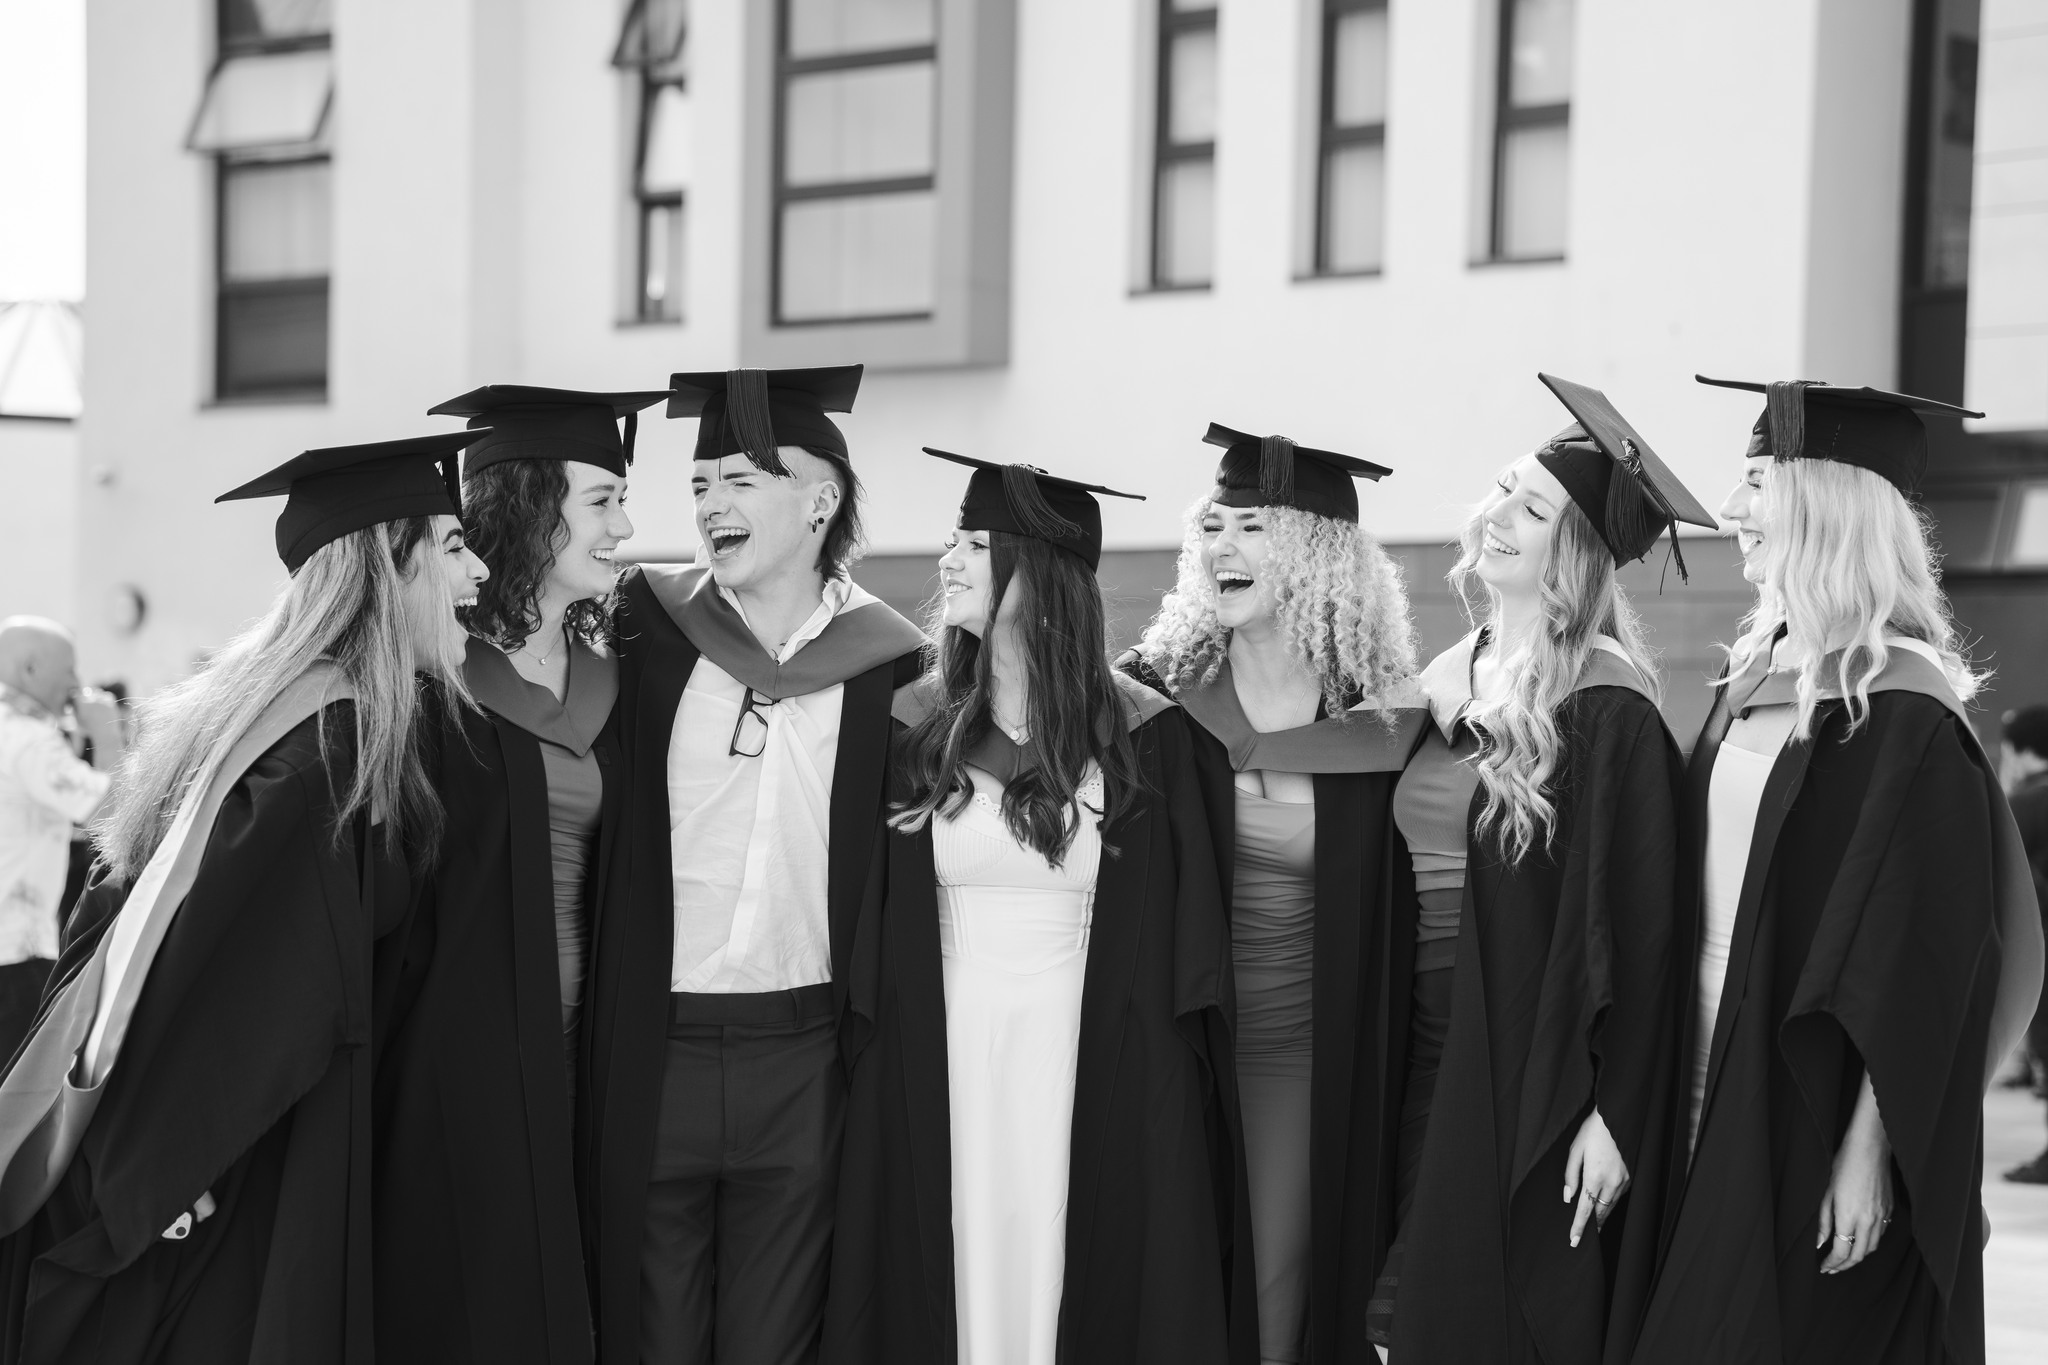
(1338, 598)
(1847, 561)
(1520, 742)
(348, 604)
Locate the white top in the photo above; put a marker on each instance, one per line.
(45, 789)
(1013, 931)
(1742, 766)
(749, 837)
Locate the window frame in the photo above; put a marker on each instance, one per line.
(225, 290)
(631, 54)
(1508, 118)
(1172, 23)
(646, 203)
(1331, 136)
(782, 194)
(971, 254)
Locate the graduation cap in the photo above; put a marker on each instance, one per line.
(751, 412)
(1630, 495)
(1027, 501)
(1272, 471)
(1804, 419)
(334, 491)
(528, 423)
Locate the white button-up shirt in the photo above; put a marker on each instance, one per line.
(44, 790)
(749, 838)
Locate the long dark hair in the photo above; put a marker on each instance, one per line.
(512, 516)
(1074, 713)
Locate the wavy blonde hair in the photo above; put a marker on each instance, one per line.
(1847, 561)
(348, 603)
(1337, 597)
(1520, 740)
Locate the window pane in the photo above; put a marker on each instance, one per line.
(272, 100)
(666, 162)
(661, 265)
(2030, 537)
(822, 28)
(1358, 69)
(1191, 89)
(1540, 62)
(274, 338)
(256, 21)
(868, 124)
(863, 256)
(1187, 208)
(274, 221)
(1535, 166)
(1353, 188)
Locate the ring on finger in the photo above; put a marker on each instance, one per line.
(1603, 1203)
(1845, 1236)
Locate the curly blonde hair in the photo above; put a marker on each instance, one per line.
(1337, 595)
(1847, 561)
(1521, 742)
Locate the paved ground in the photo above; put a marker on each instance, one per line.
(2016, 1261)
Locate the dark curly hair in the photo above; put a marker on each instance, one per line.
(512, 516)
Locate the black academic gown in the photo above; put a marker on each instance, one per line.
(479, 1254)
(246, 1073)
(1153, 1189)
(1363, 882)
(1867, 935)
(669, 617)
(1567, 996)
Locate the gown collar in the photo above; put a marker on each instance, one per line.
(572, 722)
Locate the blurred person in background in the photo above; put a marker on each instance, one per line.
(479, 1249)
(186, 1135)
(2023, 755)
(1541, 817)
(1869, 950)
(1288, 643)
(46, 792)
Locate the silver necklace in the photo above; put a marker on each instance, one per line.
(540, 658)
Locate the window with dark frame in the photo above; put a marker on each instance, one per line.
(264, 122)
(654, 44)
(1532, 131)
(855, 182)
(1184, 147)
(1351, 163)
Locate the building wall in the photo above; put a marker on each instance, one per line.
(480, 217)
(38, 518)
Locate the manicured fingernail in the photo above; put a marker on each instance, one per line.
(1575, 1239)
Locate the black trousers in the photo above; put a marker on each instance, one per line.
(746, 1173)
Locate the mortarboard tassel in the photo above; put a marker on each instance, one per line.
(451, 475)
(1276, 471)
(1028, 504)
(748, 416)
(632, 430)
(1785, 406)
(1635, 512)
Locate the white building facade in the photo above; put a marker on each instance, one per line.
(1068, 232)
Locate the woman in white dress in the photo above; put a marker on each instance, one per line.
(1041, 1147)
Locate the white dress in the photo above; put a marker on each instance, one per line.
(1014, 934)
